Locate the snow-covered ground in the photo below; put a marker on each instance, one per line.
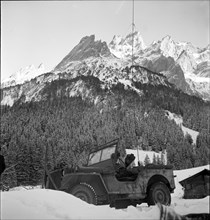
(37, 203)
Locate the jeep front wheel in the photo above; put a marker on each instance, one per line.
(159, 193)
(85, 192)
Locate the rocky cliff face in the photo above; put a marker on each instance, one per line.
(86, 48)
(184, 65)
(122, 47)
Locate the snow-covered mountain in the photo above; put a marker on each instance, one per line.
(88, 58)
(122, 47)
(106, 71)
(183, 64)
(23, 75)
(86, 48)
(164, 62)
(28, 91)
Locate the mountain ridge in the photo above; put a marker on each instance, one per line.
(181, 63)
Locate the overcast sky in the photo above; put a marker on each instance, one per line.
(34, 32)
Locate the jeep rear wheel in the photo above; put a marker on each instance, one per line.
(159, 193)
(85, 192)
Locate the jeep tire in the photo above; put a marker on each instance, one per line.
(159, 193)
(85, 192)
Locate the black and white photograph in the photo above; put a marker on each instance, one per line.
(105, 110)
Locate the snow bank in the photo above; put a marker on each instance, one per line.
(50, 204)
(29, 203)
(187, 206)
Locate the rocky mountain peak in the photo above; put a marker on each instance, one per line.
(168, 46)
(86, 48)
(87, 39)
(117, 39)
(121, 47)
(137, 38)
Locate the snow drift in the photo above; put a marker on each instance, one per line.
(49, 204)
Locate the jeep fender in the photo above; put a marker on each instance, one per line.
(93, 179)
(159, 178)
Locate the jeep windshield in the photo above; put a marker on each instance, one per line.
(101, 155)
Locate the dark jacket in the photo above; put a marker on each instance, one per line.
(2, 164)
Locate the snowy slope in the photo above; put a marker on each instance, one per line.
(23, 75)
(179, 121)
(30, 90)
(50, 204)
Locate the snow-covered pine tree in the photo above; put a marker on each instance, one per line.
(154, 160)
(146, 160)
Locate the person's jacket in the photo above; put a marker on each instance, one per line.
(2, 164)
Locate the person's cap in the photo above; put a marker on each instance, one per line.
(132, 157)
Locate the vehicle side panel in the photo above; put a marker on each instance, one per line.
(134, 188)
(137, 188)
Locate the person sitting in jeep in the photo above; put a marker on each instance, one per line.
(129, 162)
(124, 169)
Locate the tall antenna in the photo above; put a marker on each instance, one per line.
(133, 26)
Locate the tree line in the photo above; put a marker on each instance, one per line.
(63, 130)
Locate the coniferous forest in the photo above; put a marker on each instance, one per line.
(62, 130)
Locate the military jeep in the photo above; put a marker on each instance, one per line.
(100, 183)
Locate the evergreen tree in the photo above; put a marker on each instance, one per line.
(189, 139)
(146, 160)
(154, 161)
(162, 158)
(158, 160)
